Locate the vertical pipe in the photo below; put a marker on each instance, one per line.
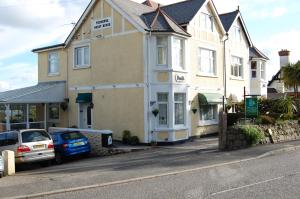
(225, 73)
(27, 116)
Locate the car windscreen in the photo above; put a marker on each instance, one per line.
(72, 136)
(9, 138)
(34, 136)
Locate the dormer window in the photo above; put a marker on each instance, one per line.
(53, 63)
(206, 22)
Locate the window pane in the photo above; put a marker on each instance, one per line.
(163, 114)
(162, 97)
(179, 108)
(86, 55)
(162, 41)
(54, 112)
(178, 52)
(207, 61)
(253, 74)
(208, 112)
(53, 63)
(162, 55)
(78, 56)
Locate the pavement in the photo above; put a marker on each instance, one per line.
(162, 162)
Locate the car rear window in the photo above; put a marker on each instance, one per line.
(34, 136)
(72, 136)
(10, 138)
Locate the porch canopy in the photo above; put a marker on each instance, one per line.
(210, 98)
(39, 96)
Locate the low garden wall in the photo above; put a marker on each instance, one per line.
(242, 136)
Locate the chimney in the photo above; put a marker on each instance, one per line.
(284, 57)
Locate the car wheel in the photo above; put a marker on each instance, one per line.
(58, 158)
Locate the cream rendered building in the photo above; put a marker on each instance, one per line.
(157, 71)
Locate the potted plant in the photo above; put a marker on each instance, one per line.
(155, 112)
(194, 110)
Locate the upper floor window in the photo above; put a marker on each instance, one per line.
(81, 56)
(207, 61)
(237, 66)
(253, 69)
(206, 22)
(263, 70)
(162, 100)
(162, 50)
(178, 53)
(53, 63)
(179, 106)
(236, 33)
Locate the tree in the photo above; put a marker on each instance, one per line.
(291, 76)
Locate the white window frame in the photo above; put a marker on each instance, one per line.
(184, 109)
(85, 65)
(178, 53)
(163, 103)
(254, 69)
(50, 62)
(211, 59)
(239, 66)
(237, 34)
(165, 47)
(263, 70)
(208, 22)
(215, 115)
(57, 105)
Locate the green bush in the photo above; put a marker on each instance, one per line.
(266, 119)
(252, 134)
(134, 140)
(126, 137)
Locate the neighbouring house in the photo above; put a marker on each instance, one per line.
(162, 72)
(276, 87)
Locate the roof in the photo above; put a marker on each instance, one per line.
(275, 77)
(255, 53)
(272, 90)
(229, 18)
(150, 3)
(45, 92)
(159, 21)
(49, 47)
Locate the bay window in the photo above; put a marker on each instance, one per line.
(179, 108)
(82, 57)
(53, 63)
(253, 69)
(162, 50)
(237, 67)
(207, 61)
(263, 70)
(162, 99)
(178, 53)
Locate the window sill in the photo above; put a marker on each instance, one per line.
(53, 74)
(208, 123)
(81, 67)
(159, 129)
(236, 78)
(170, 70)
(206, 75)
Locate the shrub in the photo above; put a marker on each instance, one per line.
(233, 118)
(134, 140)
(126, 136)
(252, 134)
(266, 119)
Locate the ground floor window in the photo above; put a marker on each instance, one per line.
(208, 112)
(179, 107)
(162, 99)
(54, 112)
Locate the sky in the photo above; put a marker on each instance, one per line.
(27, 24)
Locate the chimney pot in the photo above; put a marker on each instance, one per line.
(284, 52)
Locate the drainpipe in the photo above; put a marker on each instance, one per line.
(225, 72)
(148, 37)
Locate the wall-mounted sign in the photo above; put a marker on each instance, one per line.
(179, 78)
(100, 24)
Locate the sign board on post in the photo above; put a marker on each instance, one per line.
(100, 24)
(251, 107)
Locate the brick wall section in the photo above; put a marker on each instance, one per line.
(95, 140)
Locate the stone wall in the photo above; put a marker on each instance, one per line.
(95, 140)
(280, 132)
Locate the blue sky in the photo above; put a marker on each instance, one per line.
(28, 24)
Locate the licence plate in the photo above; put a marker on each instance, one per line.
(78, 144)
(40, 146)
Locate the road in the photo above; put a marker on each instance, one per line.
(272, 177)
(180, 171)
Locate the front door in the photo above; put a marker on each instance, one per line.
(85, 116)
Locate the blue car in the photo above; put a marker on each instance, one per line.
(68, 144)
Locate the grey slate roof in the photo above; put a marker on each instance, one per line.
(182, 12)
(159, 21)
(228, 19)
(46, 92)
(275, 77)
(255, 53)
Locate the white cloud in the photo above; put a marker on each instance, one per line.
(4, 86)
(269, 13)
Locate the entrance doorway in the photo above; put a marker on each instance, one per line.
(85, 116)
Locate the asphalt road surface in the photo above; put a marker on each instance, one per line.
(273, 177)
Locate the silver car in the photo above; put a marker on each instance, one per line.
(31, 145)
